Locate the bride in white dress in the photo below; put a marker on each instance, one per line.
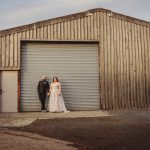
(56, 101)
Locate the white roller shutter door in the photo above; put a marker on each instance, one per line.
(76, 65)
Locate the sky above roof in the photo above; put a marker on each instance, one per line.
(19, 12)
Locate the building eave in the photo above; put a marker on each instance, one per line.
(72, 17)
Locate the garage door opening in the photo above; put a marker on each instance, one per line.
(75, 64)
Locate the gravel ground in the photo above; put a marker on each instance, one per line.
(111, 130)
(15, 140)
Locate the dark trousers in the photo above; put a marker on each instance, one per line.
(42, 97)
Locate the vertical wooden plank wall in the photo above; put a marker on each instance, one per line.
(124, 63)
(124, 54)
(1, 52)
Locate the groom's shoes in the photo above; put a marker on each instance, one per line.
(43, 110)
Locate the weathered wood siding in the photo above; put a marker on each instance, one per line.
(124, 52)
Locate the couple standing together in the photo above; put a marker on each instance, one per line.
(56, 101)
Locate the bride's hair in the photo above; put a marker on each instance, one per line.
(56, 79)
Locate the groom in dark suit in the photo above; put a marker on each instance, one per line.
(43, 89)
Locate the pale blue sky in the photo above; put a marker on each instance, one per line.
(19, 12)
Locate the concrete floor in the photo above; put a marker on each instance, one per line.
(24, 119)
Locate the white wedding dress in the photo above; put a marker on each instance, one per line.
(56, 101)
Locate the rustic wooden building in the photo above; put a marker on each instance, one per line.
(102, 59)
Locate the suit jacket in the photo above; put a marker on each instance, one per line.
(43, 87)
